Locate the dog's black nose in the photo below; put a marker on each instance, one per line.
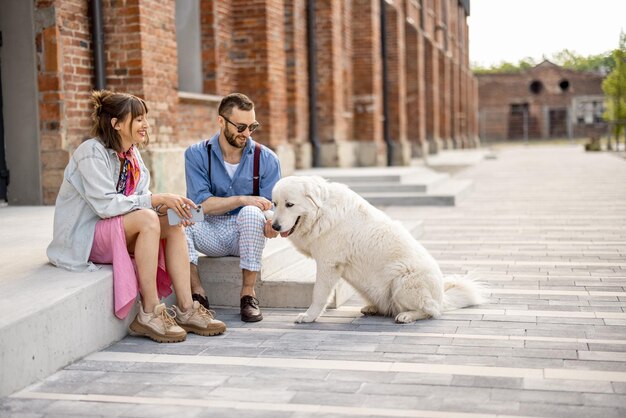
(276, 226)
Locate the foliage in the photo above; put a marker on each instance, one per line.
(614, 88)
(566, 58)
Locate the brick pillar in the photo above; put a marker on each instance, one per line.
(346, 59)
(65, 65)
(297, 81)
(330, 95)
(444, 102)
(258, 27)
(141, 58)
(412, 88)
(432, 97)
(457, 141)
(463, 107)
(473, 108)
(367, 73)
(396, 70)
(216, 29)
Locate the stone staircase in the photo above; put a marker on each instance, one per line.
(398, 186)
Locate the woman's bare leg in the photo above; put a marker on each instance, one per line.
(143, 232)
(177, 262)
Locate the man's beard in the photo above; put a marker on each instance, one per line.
(232, 139)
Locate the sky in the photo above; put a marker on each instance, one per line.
(510, 30)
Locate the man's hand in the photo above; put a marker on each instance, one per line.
(268, 230)
(258, 201)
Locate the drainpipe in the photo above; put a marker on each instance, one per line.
(4, 170)
(383, 53)
(98, 44)
(313, 136)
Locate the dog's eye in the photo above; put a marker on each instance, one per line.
(289, 204)
(275, 204)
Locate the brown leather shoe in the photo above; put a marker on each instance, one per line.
(250, 311)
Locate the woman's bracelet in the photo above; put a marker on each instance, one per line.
(157, 209)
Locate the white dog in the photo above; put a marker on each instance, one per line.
(352, 239)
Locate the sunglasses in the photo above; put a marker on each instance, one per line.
(242, 126)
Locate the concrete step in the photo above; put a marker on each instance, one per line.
(414, 175)
(285, 281)
(50, 317)
(445, 194)
(401, 186)
(453, 161)
(376, 187)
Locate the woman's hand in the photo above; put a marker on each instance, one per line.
(179, 204)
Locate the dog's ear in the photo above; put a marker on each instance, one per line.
(315, 190)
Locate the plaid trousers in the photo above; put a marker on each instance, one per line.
(239, 235)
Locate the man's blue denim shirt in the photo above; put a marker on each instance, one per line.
(221, 185)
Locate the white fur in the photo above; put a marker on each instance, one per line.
(351, 239)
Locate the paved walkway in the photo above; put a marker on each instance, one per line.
(544, 226)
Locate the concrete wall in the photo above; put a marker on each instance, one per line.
(19, 96)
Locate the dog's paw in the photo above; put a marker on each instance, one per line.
(304, 317)
(405, 318)
(369, 310)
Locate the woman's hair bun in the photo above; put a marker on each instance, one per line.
(98, 97)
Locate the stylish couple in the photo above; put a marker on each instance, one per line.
(105, 214)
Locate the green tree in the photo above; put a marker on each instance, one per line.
(614, 88)
(567, 59)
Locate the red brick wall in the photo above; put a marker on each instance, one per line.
(396, 70)
(296, 71)
(330, 94)
(64, 82)
(159, 66)
(259, 47)
(216, 29)
(431, 71)
(414, 119)
(347, 74)
(196, 119)
(258, 29)
(367, 70)
(122, 41)
(497, 92)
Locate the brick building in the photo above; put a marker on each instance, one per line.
(330, 98)
(546, 101)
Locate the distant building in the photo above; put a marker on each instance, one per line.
(546, 101)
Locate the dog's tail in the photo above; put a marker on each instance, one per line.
(461, 291)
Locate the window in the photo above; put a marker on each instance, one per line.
(536, 87)
(188, 46)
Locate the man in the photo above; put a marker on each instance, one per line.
(220, 177)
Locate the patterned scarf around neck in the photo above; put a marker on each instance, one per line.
(129, 174)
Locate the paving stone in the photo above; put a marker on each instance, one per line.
(568, 385)
(553, 410)
(488, 382)
(536, 396)
(600, 399)
(517, 232)
(84, 409)
(470, 404)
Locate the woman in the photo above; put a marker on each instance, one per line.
(106, 214)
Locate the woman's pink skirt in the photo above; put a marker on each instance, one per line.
(109, 247)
